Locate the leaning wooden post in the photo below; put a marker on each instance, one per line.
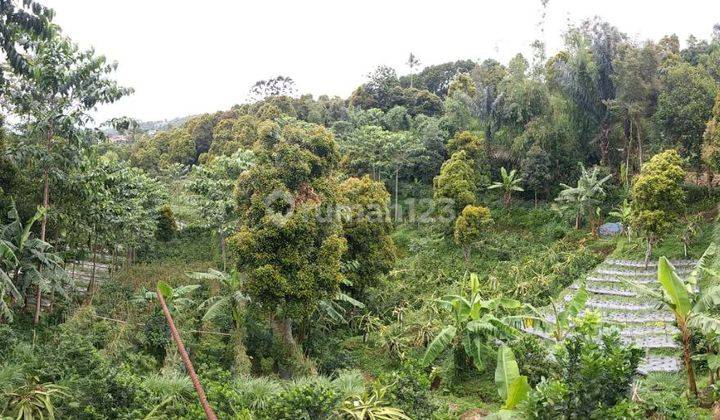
(209, 413)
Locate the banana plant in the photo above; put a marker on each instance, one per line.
(509, 183)
(477, 322)
(231, 302)
(32, 261)
(623, 212)
(690, 306)
(8, 261)
(512, 387)
(564, 317)
(178, 298)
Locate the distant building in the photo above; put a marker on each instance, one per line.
(119, 138)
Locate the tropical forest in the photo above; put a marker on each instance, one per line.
(532, 238)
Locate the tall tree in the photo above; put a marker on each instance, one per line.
(711, 143)
(290, 243)
(685, 104)
(412, 64)
(536, 170)
(657, 197)
(18, 23)
(54, 102)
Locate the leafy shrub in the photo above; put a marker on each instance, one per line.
(303, 402)
(409, 389)
(533, 358)
(349, 383)
(667, 405)
(166, 226)
(257, 393)
(595, 375)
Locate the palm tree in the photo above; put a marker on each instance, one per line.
(585, 197)
(231, 302)
(691, 308)
(509, 183)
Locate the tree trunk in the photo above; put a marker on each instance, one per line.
(113, 264)
(577, 221)
(91, 284)
(298, 362)
(640, 148)
(43, 231)
(223, 254)
(209, 413)
(397, 209)
(648, 252)
(536, 200)
(688, 360)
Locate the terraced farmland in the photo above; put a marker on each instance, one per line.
(641, 320)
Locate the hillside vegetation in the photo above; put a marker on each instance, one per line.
(532, 239)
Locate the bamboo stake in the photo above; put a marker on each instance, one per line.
(209, 413)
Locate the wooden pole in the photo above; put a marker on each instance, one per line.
(209, 413)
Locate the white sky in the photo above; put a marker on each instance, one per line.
(189, 57)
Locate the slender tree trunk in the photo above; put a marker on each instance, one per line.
(91, 284)
(648, 252)
(577, 221)
(113, 264)
(640, 146)
(688, 360)
(223, 254)
(536, 199)
(43, 230)
(209, 413)
(397, 209)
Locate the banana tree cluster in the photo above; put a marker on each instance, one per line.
(477, 324)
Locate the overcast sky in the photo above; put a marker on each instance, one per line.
(189, 57)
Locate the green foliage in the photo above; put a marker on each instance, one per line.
(477, 322)
(409, 389)
(684, 106)
(371, 406)
(306, 402)
(367, 228)
(470, 226)
(456, 181)
(34, 401)
(585, 198)
(462, 83)
(536, 170)
(509, 183)
(533, 358)
(476, 150)
(166, 225)
(711, 139)
(657, 196)
(596, 375)
(292, 260)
